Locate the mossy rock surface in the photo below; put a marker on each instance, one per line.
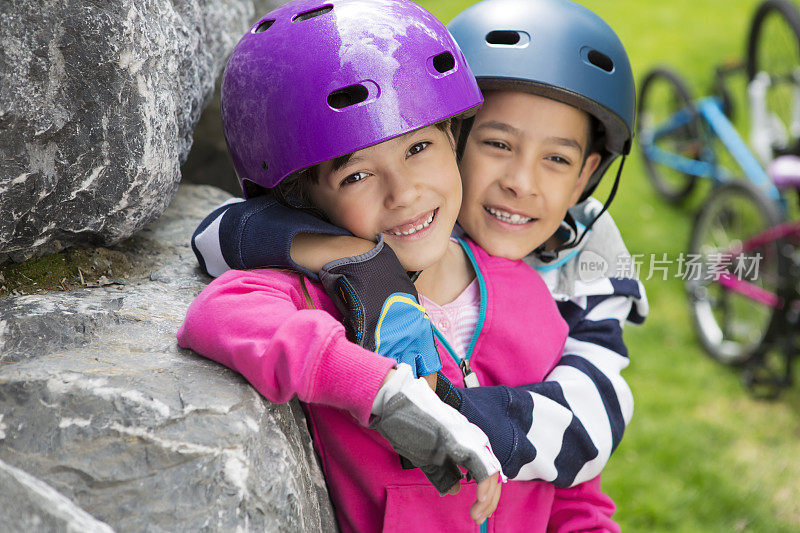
(66, 270)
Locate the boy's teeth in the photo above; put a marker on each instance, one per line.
(416, 228)
(508, 217)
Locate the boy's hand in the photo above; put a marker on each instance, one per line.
(381, 307)
(314, 250)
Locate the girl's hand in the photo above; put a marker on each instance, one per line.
(430, 433)
(488, 497)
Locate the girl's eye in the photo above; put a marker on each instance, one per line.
(353, 178)
(417, 148)
(498, 144)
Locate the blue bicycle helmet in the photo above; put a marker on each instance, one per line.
(557, 49)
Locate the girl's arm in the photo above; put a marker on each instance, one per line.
(256, 324)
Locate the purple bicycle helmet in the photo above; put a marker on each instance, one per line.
(314, 80)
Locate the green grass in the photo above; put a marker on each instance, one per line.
(700, 453)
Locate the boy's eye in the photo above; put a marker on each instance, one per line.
(417, 148)
(353, 178)
(558, 159)
(498, 144)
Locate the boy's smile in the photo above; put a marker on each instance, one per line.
(407, 188)
(524, 165)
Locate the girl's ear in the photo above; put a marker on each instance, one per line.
(589, 166)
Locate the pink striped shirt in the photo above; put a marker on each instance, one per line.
(457, 319)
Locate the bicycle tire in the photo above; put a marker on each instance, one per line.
(777, 98)
(732, 328)
(672, 185)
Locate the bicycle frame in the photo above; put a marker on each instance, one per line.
(750, 290)
(709, 110)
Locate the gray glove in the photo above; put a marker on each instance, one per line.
(430, 433)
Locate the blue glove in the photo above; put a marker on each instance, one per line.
(381, 308)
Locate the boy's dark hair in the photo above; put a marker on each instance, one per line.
(596, 141)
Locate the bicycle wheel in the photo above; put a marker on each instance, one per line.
(773, 47)
(732, 326)
(663, 95)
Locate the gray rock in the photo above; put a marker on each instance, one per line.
(101, 408)
(97, 106)
(208, 162)
(36, 506)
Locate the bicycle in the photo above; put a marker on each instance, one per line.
(680, 149)
(739, 321)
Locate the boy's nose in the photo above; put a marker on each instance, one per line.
(520, 181)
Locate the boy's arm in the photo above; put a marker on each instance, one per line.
(577, 423)
(583, 507)
(586, 389)
(379, 302)
(564, 429)
(254, 233)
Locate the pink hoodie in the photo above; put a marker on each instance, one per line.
(258, 323)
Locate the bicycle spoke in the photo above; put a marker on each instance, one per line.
(730, 321)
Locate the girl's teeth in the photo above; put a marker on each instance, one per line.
(416, 228)
(508, 217)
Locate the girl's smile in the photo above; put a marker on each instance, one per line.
(416, 228)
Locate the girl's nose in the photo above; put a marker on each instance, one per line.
(402, 189)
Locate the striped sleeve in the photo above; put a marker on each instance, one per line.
(587, 389)
(254, 233)
(564, 429)
(207, 241)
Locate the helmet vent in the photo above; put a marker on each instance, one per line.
(264, 26)
(311, 14)
(444, 62)
(600, 60)
(503, 37)
(352, 95)
(264, 165)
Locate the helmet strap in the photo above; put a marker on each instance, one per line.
(547, 256)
